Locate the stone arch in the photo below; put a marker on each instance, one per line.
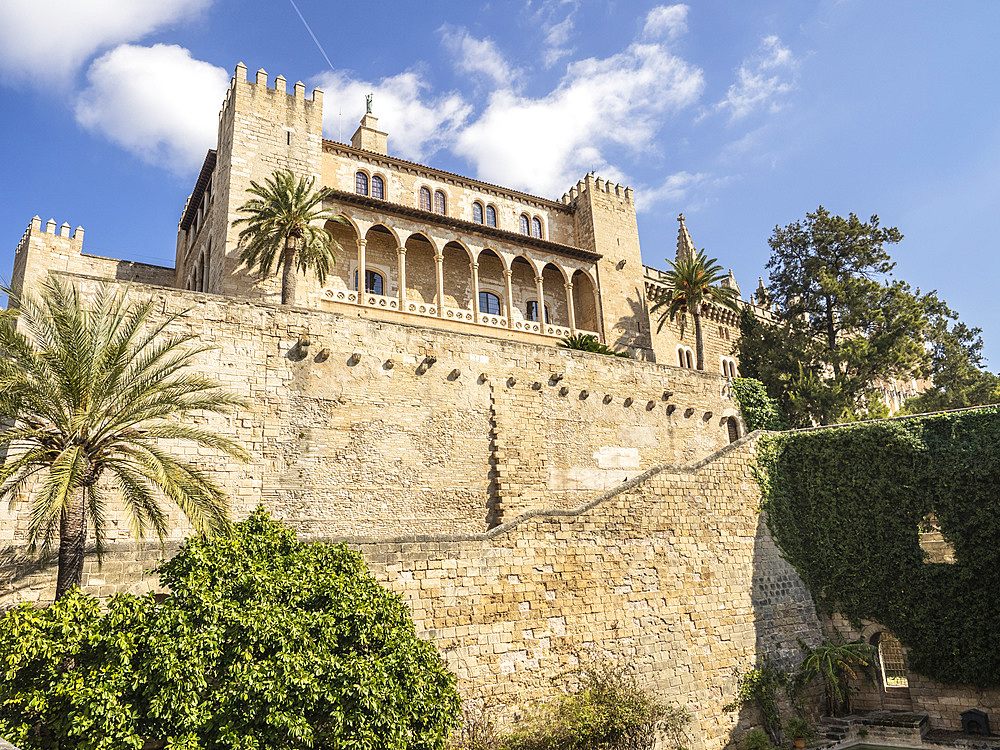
(585, 302)
(491, 278)
(522, 286)
(733, 429)
(457, 277)
(341, 277)
(554, 281)
(381, 258)
(421, 272)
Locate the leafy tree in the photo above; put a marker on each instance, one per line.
(264, 642)
(588, 342)
(836, 664)
(839, 325)
(758, 409)
(283, 227)
(92, 391)
(692, 286)
(956, 365)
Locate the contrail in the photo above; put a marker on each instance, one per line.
(305, 23)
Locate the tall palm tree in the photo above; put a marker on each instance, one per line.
(284, 226)
(692, 286)
(92, 391)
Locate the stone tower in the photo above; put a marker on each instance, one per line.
(261, 129)
(606, 224)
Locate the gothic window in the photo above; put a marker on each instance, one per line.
(491, 216)
(531, 312)
(477, 212)
(425, 199)
(440, 204)
(536, 228)
(489, 303)
(378, 187)
(525, 225)
(373, 282)
(361, 183)
(685, 357)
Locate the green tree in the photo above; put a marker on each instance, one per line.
(93, 391)
(692, 286)
(283, 227)
(838, 326)
(264, 642)
(836, 664)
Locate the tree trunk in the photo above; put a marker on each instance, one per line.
(288, 274)
(72, 543)
(699, 341)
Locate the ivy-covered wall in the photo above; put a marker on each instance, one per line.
(846, 506)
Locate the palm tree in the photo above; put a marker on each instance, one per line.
(281, 226)
(93, 391)
(693, 286)
(836, 664)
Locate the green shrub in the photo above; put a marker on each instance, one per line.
(604, 708)
(759, 686)
(588, 342)
(800, 729)
(759, 411)
(264, 642)
(757, 739)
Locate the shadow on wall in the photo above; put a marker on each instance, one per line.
(20, 572)
(633, 329)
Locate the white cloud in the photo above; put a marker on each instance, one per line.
(761, 80)
(669, 21)
(544, 144)
(675, 188)
(418, 124)
(480, 56)
(46, 41)
(156, 102)
(557, 28)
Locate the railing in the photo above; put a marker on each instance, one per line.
(430, 310)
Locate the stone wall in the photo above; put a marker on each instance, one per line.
(672, 572)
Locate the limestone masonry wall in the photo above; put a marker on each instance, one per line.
(673, 572)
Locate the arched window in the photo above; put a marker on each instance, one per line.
(374, 283)
(729, 367)
(890, 656)
(440, 204)
(425, 199)
(378, 187)
(536, 228)
(361, 183)
(531, 311)
(689, 358)
(489, 303)
(525, 224)
(491, 216)
(477, 212)
(734, 429)
(685, 357)
(680, 357)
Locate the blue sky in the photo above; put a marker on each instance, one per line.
(743, 115)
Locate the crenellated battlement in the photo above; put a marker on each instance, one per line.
(596, 184)
(261, 80)
(50, 228)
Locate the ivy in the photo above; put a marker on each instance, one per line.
(759, 411)
(845, 506)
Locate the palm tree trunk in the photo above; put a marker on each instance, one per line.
(72, 543)
(699, 341)
(288, 274)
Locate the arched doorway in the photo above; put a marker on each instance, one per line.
(585, 303)
(733, 426)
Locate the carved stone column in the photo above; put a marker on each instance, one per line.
(359, 286)
(507, 274)
(540, 304)
(475, 291)
(439, 267)
(401, 257)
(570, 309)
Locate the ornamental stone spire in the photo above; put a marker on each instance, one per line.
(685, 247)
